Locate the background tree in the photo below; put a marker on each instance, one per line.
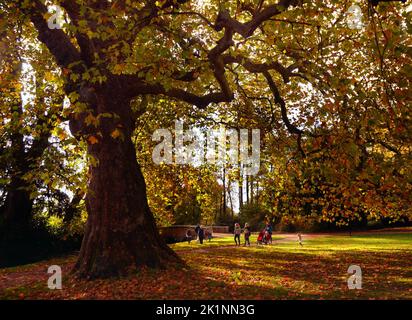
(32, 146)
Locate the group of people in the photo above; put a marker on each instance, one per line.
(201, 233)
(264, 237)
(246, 231)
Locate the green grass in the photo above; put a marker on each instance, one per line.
(220, 270)
(285, 270)
(358, 243)
(215, 242)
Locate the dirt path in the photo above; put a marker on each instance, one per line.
(290, 237)
(286, 237)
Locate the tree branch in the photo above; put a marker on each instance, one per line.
(259, 67)
(86, 45)
(224, 20)
(55, 39)
(134, 86)
(279, 100)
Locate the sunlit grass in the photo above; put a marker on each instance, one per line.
(220, 270)
(318, 269)
(330, 244)
(216, 242)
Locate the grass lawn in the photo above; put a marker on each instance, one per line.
(215, 242)
(219, 270)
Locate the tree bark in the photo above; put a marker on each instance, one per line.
(251, 182)
(16, 236)
(224, 190)
(17, 208)
(247, 190)
(229, 192)
(121, 233)
(240, 182)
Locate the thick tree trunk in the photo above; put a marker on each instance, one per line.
(121, 233)
(16, 236)
(17, 210)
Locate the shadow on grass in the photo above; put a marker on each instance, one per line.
(279, 271)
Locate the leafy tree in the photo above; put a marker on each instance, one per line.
(31, 140)
(295, 68)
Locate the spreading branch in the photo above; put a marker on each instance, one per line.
(134, 85)
(56, 40)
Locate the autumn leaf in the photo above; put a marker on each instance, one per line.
(92, 140)
(116, 133)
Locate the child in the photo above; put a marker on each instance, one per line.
(246, 230)
(237, 232)
(209, 235)
(300, 239)
(188, 236)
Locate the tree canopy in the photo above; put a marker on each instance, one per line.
(85, 92)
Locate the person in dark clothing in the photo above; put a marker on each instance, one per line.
(269, 230)
(237, 231)
(197, 229)
(201, 235)
(208, 234)
(246, 231)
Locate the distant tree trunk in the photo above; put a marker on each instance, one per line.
(15, 206)
(16, 213)
(251, 190)
(229, 189)
(240, 182)
(17, 210)
(220, 204)
(257, 193)
(16, 236)
(224, 191)
(121, 233)
(247, 189)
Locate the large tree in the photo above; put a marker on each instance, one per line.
(92, 53)
(204, 53)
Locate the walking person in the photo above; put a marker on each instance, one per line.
(300, 239)
(197, 231)
(237, 233)
(208, 235)
(246, 231)
(201, 235)
(269, 230)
